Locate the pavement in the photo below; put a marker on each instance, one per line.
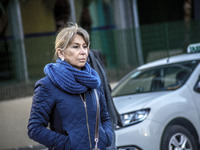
(14, 116)
(30, 147)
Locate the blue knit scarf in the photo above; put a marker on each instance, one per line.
(70, 79)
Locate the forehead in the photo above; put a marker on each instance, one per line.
(78, 39)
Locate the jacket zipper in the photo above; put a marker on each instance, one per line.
(86, 113)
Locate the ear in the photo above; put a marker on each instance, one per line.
(60, 54)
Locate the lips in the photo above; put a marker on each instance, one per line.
(82, 59)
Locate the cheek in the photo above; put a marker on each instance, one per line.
(71, 57)
(69, 54)
(87, 53)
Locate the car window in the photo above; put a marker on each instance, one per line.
(163, 78)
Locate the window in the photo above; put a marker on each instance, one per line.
(163, 78)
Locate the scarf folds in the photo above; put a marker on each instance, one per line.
(70, 79)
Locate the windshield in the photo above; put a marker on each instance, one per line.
(163, 78)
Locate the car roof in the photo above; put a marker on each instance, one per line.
(171, 60)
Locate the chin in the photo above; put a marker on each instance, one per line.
(81, 66)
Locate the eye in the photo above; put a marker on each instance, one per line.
(85, 46)
(75, 46)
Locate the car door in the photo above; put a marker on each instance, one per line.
(194, 82)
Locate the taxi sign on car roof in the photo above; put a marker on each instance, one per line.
(193, 48)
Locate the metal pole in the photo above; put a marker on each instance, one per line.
(137, 33)
(73, 12)
(18, 34)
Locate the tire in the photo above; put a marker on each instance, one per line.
(177, 137)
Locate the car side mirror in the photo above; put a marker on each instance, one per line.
(197, 86)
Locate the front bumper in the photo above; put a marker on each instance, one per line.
(145, 135)
(130, 147)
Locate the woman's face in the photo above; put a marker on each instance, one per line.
(76, 53)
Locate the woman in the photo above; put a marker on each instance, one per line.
(65, 98)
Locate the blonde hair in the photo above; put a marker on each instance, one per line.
(66, 35)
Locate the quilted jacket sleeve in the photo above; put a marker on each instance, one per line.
(105, 119)
(42, 105)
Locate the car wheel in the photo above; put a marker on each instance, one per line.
(177, 137)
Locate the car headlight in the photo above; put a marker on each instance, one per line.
(134, 117)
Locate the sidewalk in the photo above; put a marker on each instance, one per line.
(31, 147)
(14, 116)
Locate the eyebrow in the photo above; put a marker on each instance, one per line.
(78, 44)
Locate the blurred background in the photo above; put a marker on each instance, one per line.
(129, 33)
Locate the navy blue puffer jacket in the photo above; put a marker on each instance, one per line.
(72, 126)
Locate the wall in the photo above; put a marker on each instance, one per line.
(37, 17)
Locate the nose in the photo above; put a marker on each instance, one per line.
(83, 50)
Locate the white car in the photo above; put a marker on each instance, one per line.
(159, 105)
